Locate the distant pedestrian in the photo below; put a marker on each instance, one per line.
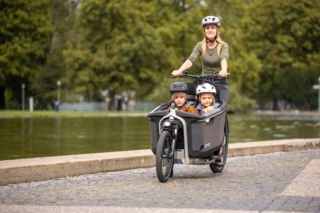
(117, 102)
(126, 101)
(57, 104)
(53, 104)
(38, 105)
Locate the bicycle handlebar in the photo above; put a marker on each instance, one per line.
(201, 77)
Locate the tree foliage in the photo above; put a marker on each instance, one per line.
(24, 42)
(119, 47)
(93, 45)
(62, 16)
(285, 37)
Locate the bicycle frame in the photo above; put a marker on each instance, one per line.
(172, 114)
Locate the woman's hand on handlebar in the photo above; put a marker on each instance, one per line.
(223, 73)
(176, 73)
(185, 66)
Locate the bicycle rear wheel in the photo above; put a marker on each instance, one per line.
(218, 167)
(164, 161)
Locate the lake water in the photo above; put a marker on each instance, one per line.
(39, 137)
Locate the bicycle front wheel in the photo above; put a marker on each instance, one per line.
(164, 161)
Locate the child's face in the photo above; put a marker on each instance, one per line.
(179, 98)
(206, 99)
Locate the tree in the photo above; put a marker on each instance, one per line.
(62, 16)
(118, 48)
(24, 43)
(285, 35)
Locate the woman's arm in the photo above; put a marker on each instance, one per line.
(224, 61)
(186, 65)
(224, 67)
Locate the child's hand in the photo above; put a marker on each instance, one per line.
(208, 109)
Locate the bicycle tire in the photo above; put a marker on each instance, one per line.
(164, 162)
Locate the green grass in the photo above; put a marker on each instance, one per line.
(17, 113)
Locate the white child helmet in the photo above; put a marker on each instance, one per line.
(211, 20)
(206, 88)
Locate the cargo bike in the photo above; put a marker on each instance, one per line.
(180, 137)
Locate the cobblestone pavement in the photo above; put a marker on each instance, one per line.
(250, 183)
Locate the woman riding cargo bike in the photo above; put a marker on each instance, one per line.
(180, 137)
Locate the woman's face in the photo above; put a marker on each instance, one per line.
(211, 30)
(206, 99)
(180, 98)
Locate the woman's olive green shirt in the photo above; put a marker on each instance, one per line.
(210, 63)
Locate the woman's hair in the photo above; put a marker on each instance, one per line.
(175, 94)
(204, 44)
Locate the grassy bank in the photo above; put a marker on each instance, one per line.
(12, 113)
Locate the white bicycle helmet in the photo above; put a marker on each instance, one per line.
(211, 20)
(206, 88)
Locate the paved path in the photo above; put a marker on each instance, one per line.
(276, 182)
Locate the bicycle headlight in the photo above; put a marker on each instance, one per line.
(166, 123)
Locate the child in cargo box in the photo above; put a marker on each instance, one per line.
(205, 94)
(179, 96)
